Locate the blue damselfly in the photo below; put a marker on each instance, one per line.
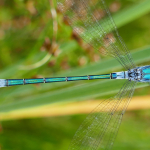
(99, 129)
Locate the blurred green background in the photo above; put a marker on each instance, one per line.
(35, 41)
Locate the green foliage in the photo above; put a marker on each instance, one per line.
(24, 97)
(56, 133)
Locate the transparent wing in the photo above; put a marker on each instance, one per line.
(99, 129)
(92, 21)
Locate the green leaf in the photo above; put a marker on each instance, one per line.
(57, 92)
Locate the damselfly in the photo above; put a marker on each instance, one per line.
(93, 22)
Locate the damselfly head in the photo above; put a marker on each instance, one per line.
(140, 74)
